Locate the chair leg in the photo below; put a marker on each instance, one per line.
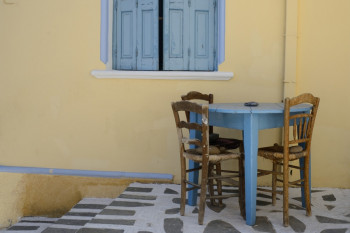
(274, 181)
(183, 187)
(202, 198)
(307, 186)
(241, 188)
(211, 183)
(285, 193)
(219, 182)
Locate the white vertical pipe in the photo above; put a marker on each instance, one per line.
(291, 46)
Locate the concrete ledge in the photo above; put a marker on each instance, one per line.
(85, 173)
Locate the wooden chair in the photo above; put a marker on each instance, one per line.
(214, 139)
(301, 133)
(228, 143)
(204, 154)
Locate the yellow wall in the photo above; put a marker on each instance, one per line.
(324, 69)
(55, 114)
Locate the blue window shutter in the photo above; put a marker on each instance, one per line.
(176, 47)
(147, 35)
(104, 32)
(124, 36)
(203, 38)
(221, 31)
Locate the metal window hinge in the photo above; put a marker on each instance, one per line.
(137, 3)
(137, 52)
(116, 4)
(214, 4)
(189, 3)
(189, 52)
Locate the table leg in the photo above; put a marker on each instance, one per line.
(301, 164)
(250, 133)
(193, 176)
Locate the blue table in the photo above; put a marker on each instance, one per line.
(250, 120)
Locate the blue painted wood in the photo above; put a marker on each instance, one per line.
(176, 35)
(190, 35)
(147, 35)
(104, 31)
(87, 173)
(250, 139)
(126, 31)
(221, 31)
(193, 176)
(114, 36)
(203, 34)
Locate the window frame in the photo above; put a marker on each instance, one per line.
(106, 55)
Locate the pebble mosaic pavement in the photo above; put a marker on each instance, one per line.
(154, 208)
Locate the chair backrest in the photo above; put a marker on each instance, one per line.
(183, 124)
(302, 123)
(195, 95)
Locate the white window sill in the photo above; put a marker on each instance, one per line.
(172, 75)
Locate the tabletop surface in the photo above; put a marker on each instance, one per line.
(261, 108)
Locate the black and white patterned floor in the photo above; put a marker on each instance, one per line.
(146, 208)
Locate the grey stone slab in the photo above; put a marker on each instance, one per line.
(219, 226)
(139, 189)
(172, 211)
(330, 207)
(229, 190)
(276, 211)
(118, 212)
(23, 228)
(297, 198)
(59, 230)
(329, 197)
(173, 225)
(341, 230)
(296, 224)
(295, 207)
(216, 208)
(263, 203)
(137, 197)
(114, 221)
(38, 221)
(263, 224)
(130, 204)
(170, 191)
(98, 230)
(266, 196)
(89, 206)
(73, 222)
(323, 219)
(178, 200)
(83, 214)
(317, 191)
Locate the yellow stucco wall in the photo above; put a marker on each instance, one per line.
(55, 114)
(324, 69)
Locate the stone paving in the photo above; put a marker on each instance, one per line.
(154, 208)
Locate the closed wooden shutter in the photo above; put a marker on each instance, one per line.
(176, 31)
(190, 34)
(202, 35)
(147, 35)
(135, 35)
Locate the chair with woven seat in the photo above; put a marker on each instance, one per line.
(296, 145)
(214, 138)
(228, 143)
(204, 154)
